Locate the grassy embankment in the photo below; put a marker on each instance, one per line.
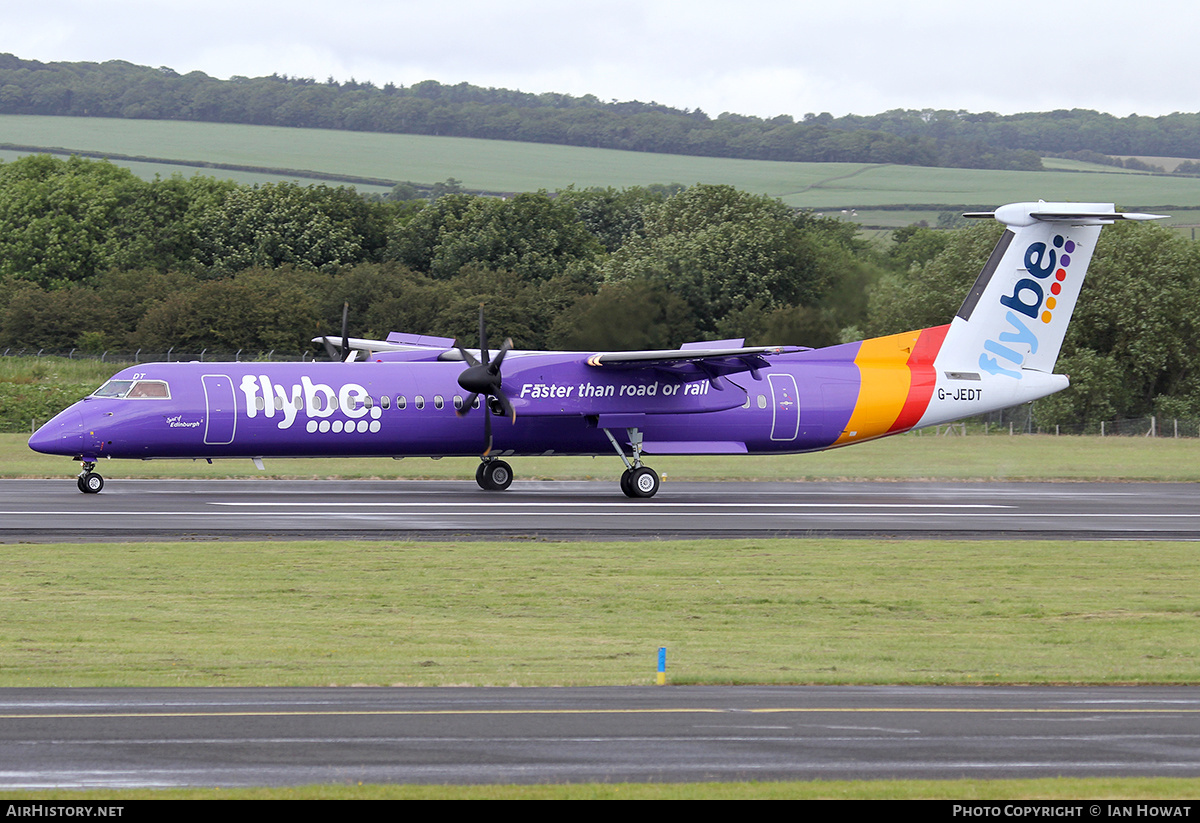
(528, 612)
(503, 166)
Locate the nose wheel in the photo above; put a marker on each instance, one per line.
(494, 475)
(88, 481)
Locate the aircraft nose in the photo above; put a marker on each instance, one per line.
(61, 434)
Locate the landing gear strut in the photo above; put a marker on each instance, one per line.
(88, 481)
(494, 475)
(637, 481)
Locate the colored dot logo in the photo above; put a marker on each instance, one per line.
(1064, 259)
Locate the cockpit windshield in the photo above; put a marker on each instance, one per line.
(137, 389)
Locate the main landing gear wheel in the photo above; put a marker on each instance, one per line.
(494, 475)
(639, 482)
(90, 483)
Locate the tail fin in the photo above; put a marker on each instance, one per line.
(1016, 316)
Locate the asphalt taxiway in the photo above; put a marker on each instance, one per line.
(54, 510)
(120, 738)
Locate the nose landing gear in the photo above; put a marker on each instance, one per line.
(89, 482)
(493, 475)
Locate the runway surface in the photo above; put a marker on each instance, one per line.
(255, 737)
(54, 510)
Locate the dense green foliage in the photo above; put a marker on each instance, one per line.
(94, 259)
(91, 259)
(120, 89)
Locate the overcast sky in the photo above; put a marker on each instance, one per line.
(761, 57)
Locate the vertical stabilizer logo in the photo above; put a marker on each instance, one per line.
(1028, 305)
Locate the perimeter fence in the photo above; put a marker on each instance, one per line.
(172, 355)
(1023, 420)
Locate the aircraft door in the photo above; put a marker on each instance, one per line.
(220, 410)
(785, 405)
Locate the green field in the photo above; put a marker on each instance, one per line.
(501, 166)
(531, 612)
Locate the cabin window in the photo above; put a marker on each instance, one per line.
(401, 403)
(475, 404)
(419, 402)
(746, 405)
(762, 401)
(368, 402)
(438, 402)
(260, 403)
(458, 402)
(385, 402)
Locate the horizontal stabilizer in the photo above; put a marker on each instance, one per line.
(1077, 214)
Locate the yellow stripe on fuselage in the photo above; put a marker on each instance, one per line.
(885, 380)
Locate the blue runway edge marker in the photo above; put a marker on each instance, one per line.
(662, 665)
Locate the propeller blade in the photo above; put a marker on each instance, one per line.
(346, 330)
(467, 404)
(467, 356)
(506, 406)
(495, 365)
(483, 349)
(331, 349)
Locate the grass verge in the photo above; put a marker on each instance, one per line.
(541, 613)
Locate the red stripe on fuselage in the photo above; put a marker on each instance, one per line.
(924, 377)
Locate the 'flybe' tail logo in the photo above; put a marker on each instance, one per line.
(1029, 305)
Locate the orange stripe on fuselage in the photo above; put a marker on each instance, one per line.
(897, 382)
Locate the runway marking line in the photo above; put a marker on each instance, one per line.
(518, 712)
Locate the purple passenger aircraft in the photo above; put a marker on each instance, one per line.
(412, 395)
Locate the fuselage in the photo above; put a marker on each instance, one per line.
(803, 401)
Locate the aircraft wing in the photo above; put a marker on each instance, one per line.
(693, 362)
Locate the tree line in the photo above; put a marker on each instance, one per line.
(95, 259)
(120, 89)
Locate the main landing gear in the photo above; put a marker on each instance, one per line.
(88, 481)
(638, 480)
